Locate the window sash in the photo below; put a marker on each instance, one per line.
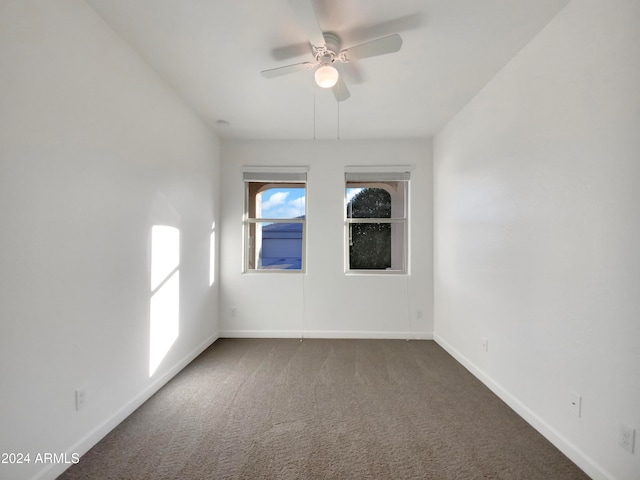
(292, 177)
(369, 177)
(251, 208)
(249, 253)
(275, 220)
(376, 220)
(402, 269)
(391, 185)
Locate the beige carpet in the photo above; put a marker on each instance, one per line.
(324, 409)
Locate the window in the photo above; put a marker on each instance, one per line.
(376, 221)
(275, 221)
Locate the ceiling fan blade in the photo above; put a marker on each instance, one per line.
(340, 90)
(287, 52)
(306, 14)
(381, 46)
(277, 72)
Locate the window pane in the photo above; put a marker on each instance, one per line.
(370, 246)
(274, 225)
(374, 243)
(368, 203)
(281, 203)
(279, 246)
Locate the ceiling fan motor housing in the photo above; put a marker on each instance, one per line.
(329, 52)
(332, 42)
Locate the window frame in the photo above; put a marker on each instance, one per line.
(383, 178)
(292, 177)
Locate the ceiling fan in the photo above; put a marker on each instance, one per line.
(326, 48)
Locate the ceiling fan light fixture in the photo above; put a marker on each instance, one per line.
(326, 76)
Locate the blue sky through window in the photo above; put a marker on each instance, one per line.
(352, 192)
(283, 202)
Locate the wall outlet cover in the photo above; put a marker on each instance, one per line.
(627, 438)
(81, 398)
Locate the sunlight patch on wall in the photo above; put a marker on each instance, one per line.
(165, 293)
(212, 255)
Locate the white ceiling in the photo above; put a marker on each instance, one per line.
(212, 51)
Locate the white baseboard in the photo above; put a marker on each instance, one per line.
(81, 447)
(586, 463)
(325, 334)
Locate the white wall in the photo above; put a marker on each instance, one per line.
(537, 231)
(94, 150)
(325, 302)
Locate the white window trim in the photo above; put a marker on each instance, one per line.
(378, 174)
(269, 174)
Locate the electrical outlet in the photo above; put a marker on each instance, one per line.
(81, 398)
(419, 315)
(234, 312)
(627, 437)
(575, 402)
(485, 344)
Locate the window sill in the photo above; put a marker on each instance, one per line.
(375, 273)
(272, 270)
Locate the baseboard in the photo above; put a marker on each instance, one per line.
(586, 463)
(325, 334)
(86, 443)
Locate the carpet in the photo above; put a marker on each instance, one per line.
(324, 409)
